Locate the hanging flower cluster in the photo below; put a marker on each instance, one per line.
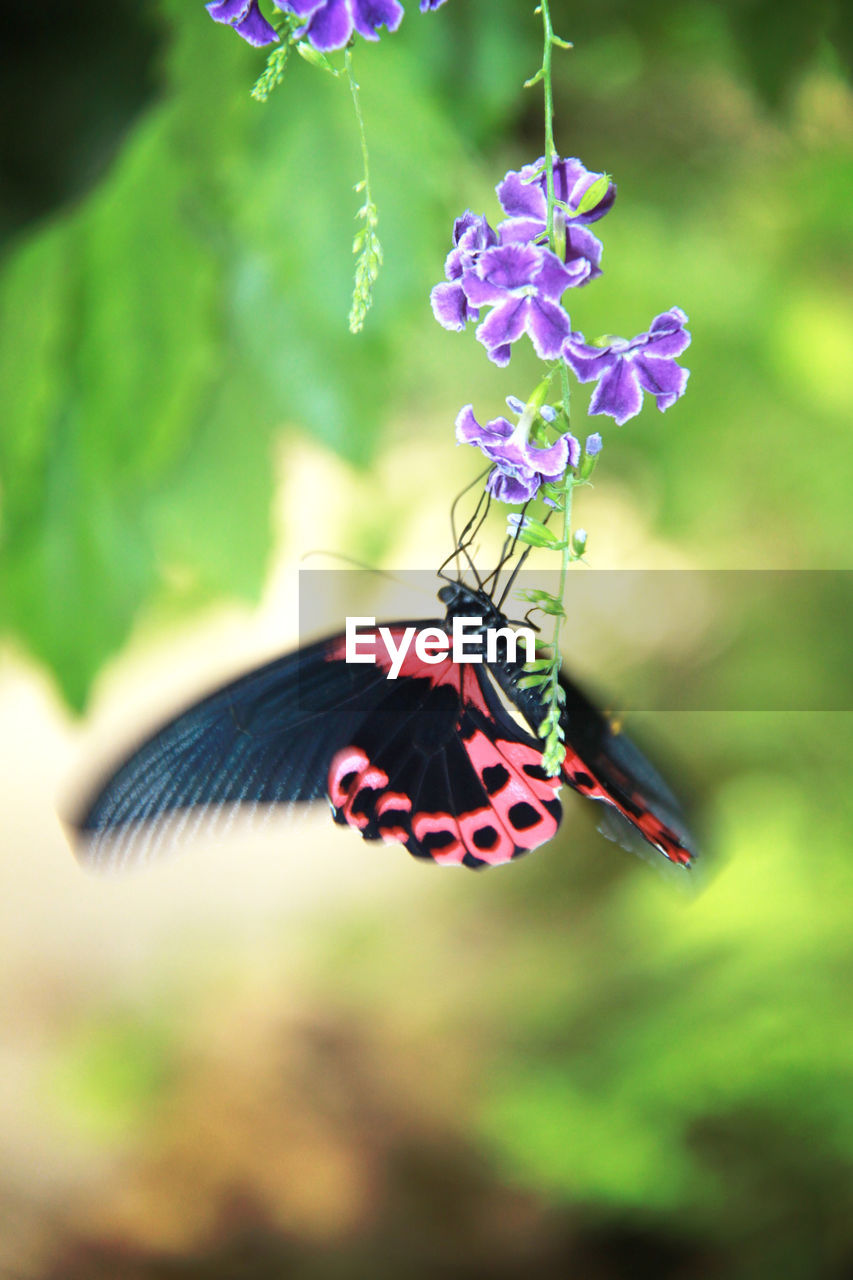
(512, 269)
(325, 24)
(519, 271)
(509, 280)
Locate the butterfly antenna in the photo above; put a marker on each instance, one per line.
(512, 577)
(459, 539)
(358, 564)
(507, 552)
(469, 533)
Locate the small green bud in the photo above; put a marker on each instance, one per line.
(593, 195)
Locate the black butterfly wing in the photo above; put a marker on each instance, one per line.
(603, 764)
(265, 738)
(421, 760)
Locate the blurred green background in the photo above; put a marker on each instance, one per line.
(307, 1057)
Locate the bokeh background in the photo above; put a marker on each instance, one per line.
(289, 1054)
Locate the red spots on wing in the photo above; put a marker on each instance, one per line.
(634, 808)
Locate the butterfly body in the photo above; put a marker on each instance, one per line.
(443, 759)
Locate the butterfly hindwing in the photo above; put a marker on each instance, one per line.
(434, 768)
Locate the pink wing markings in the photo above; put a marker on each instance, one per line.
(578, 775)
(519, 792)
(351, 772)
(460, 676)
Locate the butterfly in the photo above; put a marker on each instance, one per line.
(444, 759)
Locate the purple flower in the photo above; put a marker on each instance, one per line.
(625, 369)
(471, 235)
(428, 5)
(582, 253)
(329, 23)
(523, 285)
(524, 196)
(592, 448)
(520, 467)
(246, 19)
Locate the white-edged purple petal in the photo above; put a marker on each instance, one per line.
(510, 266)
(301, 8)
(517, 406)
(510, 488)
(450, 307)
(427, 6)
(523, 196)
(618, 392)
(583, 247)
(572, 180)
(329, 27)
(368, 15)
(553, 278)
(667, 335)
(548, 326)
(255, 29)
(586, 362)
(504, 324)
(664, 379)
(229, 11)
(520, 230)
(468, 429)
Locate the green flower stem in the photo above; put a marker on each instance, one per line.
(552, 693)
(550, 149)
(366, 244)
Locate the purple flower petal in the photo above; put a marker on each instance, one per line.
(521, 198)
(582, 247)
(553, 278)
(428, 5)
(586, 362)
(330, 26)
(509, 488)
(663, 379)
(450, 307)
(667, 335)
(618, 393)
(504, 324)
(548, 326)
(255, 29)
(521, 230)
(370, 14)
(301, 8)
(229, 11)
(572, 180)
(468, 429)
(510, 266)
